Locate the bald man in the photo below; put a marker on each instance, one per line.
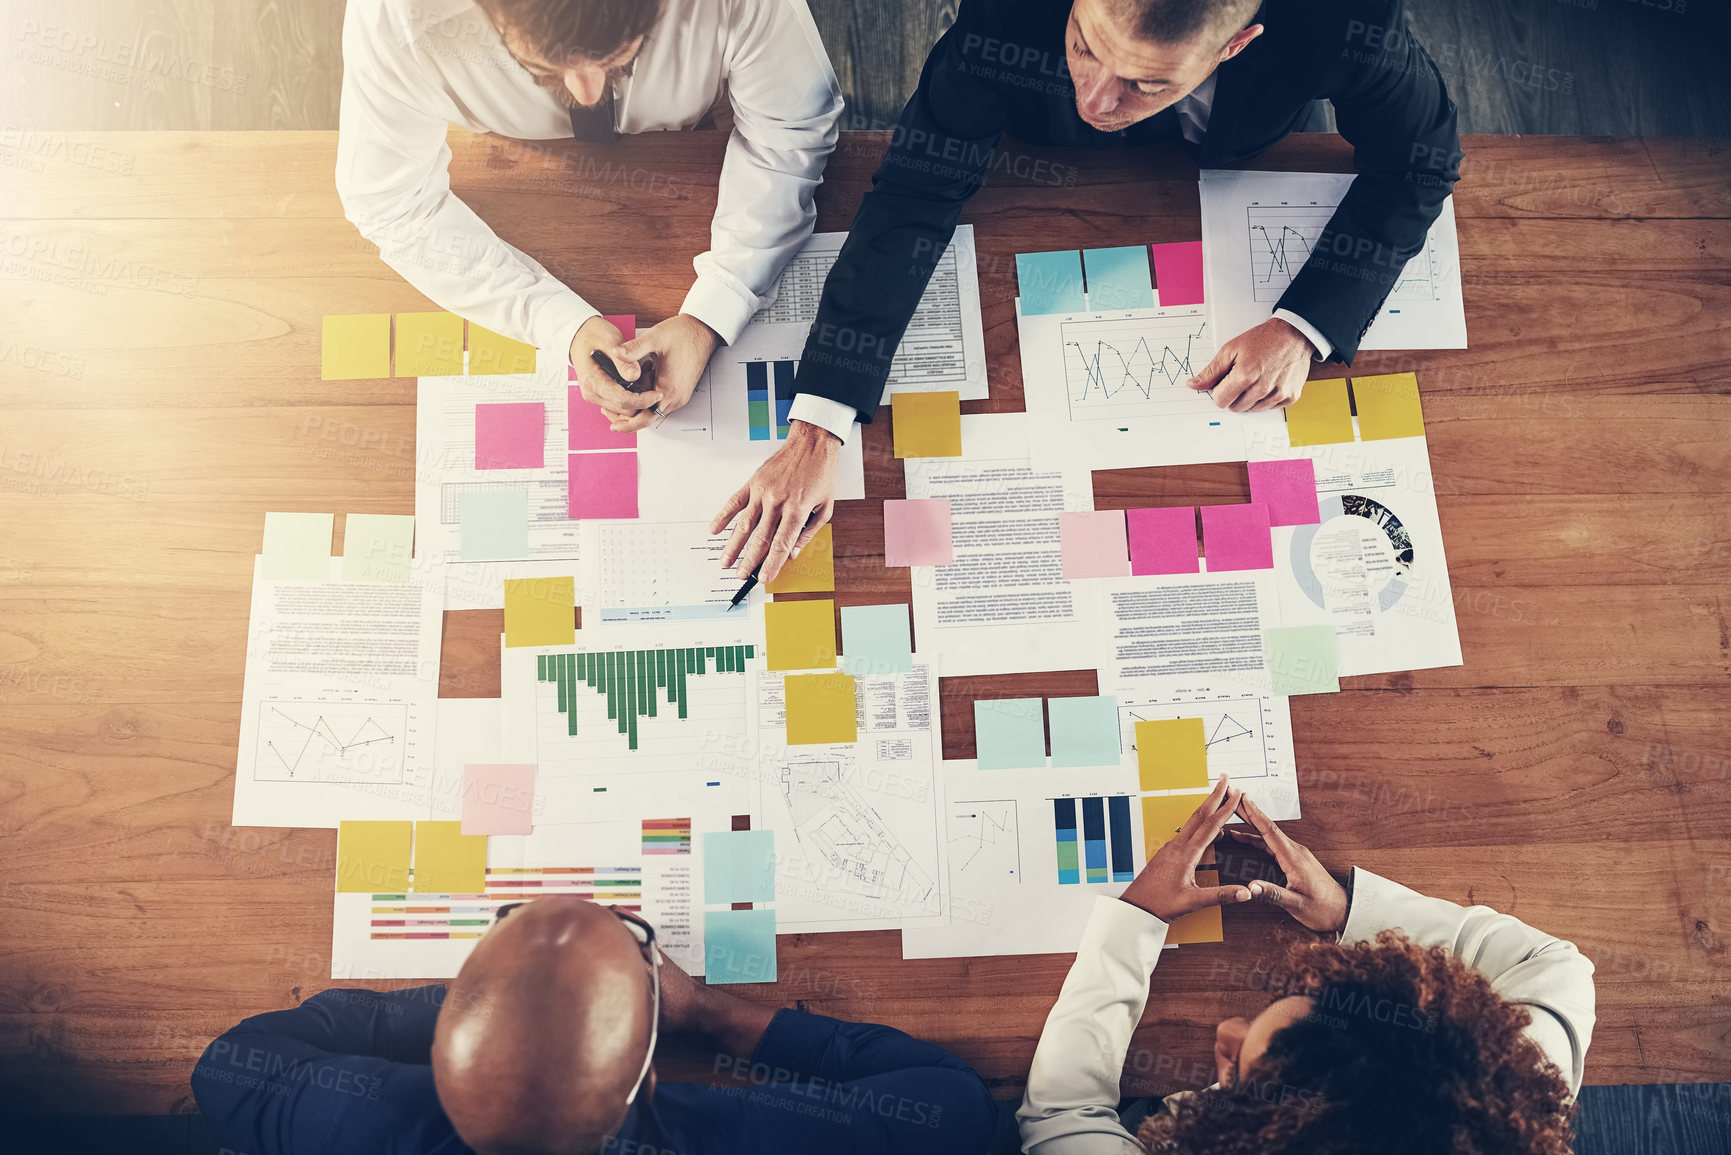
(545, 1044)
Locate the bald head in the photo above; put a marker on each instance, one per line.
(544, 1031)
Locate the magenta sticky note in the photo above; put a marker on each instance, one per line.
(498, 799)
(1178, 272)
(603, 485)
(917, 532)
(626, 323)
(1094, 545)
(1288, 489)
(510, 435)
(1236, 537)
(589, 427)
(1162, 540)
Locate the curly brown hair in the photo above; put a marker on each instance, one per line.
(1406, 1049)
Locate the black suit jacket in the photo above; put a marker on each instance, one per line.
(1001, 68)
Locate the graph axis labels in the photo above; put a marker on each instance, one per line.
(357, 743)
(1121, 369)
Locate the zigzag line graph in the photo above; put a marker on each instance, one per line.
(304, 741)
(1108, 371)
(1132, 368)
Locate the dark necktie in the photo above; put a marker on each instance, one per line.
(594, 124)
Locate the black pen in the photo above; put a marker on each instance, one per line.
(743, 590)
(643, 384)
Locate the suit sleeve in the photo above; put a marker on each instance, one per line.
(1391, 104)
(345, 1073)
(1547, 975)
(938, 156)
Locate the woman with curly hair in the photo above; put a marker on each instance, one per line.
(1417, 1026)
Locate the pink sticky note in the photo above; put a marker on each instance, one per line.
(589, 427)
(1094, 544)
(917, 532)
(1236, 537)
(603, 485)
(1162, 540)
(498, 799)
(1288, 489)
(626, 323)
(510, 436)
(1178, 272)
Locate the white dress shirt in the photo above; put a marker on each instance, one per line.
(1193, 110)
(410, 67)
(1070, 1107)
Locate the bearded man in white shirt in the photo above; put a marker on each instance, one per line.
(555, 69)
(1416, 1026)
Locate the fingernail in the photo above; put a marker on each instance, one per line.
(1256, 888)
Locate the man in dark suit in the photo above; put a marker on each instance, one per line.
(1228, 77)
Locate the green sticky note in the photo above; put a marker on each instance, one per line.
(1303, 659)
(738, 866)
(493, 524)
(876, 640)
(1388, 406)
(738, 946)
(1172, 754)
(355, 346)
(1322, 415)
(378, 547)
(1118, 278)
(1084, 731)
(1010, 734)
(297, 546)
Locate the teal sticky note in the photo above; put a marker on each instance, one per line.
(1084, 731)
(494, 525)
(1010, 734)
(1050, 282)
(876, 640)
(738, 946)
(1303, 659)
(738, 866)
(1118, 278)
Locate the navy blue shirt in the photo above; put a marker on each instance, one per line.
(349, 1072)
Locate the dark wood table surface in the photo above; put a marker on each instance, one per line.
(160, 305)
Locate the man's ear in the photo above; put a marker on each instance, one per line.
(1240, 41)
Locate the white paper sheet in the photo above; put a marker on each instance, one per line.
(637, 571)
(1003, 607)
(858, 827)
(338, 707)
(1258, 229)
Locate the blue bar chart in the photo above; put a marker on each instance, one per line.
(1101, 848)
(767, 409)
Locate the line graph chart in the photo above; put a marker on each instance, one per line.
(985, 840)
(1128, 368)
(1282, 237)
(353, 742)
(1235, 729)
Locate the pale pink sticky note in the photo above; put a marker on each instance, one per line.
(1162, 540)
(1094, 545)
(1236, 537)
(1288, 489)
(917, 532)
(602, 485)
(498, 799)
(510, 435)
(1178, 272)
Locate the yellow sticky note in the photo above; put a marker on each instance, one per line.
(491, 352)
(801, 635)
(1321, 415)
(820, 708)
(356, 346)
(1199, 925)
(1172, 754)
(429, 344)
(1388, 406)
(927, 424)
(1163, 815)
(813, 571)
(372, 857)
(540, 611)
(447, 861)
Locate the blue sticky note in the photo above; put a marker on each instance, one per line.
(1084, 731)
(1010, 734)
(876, 640)
(738, 946)
(738, 866)
(1050, 282)
(494, 525)
(1118, 278)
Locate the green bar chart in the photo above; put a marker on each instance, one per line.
(635, 682)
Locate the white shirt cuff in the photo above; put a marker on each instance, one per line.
(557, 322)
(1323, 345)
(824, 413)
(718, 305)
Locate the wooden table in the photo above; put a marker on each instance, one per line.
(160, 304)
